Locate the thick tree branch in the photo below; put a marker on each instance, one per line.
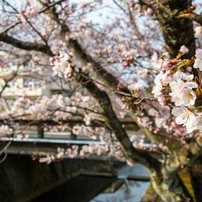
(192, 16)
(6, 83)
(140, 156)
(121, 92)
(176, 31)
(25, 45)
(112, 82)
(99, 72)
(183, 157)
(109, 80)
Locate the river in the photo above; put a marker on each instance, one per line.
(100, 189)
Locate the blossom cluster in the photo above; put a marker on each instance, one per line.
(57, 108)
(85, 151)
(5, 130)
(175, 85)
(70, 153)
(29, 13)
(45, 107)
(198, 33)
(63, 65)
(61, 127)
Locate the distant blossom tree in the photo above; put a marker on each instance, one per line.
(143, 58)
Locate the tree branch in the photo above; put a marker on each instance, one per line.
(19, 21)
(140, 156)
(98, 71)
(6, 83)
(10, 27)
(183, 157)
(192, 16)
(25, 45)
(121, 92)
(108, 79)
(149, 5)
(170, 25)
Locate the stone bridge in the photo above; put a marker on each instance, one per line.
(23, 179)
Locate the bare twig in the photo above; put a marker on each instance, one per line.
(4, 158)
(5, 148)
(19, 21)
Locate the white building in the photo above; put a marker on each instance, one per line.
(32, 84)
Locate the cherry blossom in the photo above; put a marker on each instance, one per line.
(198, 32)
(196, 124)
(21, 16)
(184, 116)
(167, 64)
(183, 49)
(63, 65)
(182, 93)
(5, 130)
(198, 60)
(158, 87)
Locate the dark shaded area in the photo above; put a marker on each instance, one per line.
(196, 178)
(78, 189)
(22, 179)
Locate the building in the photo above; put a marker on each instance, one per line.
(33, 82)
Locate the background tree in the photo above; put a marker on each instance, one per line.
(35, 31)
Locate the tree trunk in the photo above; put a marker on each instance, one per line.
(170, 188)
(176, 31)
(196, 178)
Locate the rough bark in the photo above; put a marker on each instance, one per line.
(195, 170)
(176, 31)
(25, 45)
(193, 17)
(113, 122)
(171, 188)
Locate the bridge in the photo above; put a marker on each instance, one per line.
(18, 169)
(46, 146)
(43, 143)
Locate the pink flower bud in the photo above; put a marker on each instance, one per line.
(167, 64)
(125, 64)
(129, 58)
(51, 60)
(184, 49)
(71, 54)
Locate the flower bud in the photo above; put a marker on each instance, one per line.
(125, 64)
(167, 64)
(123, 99)
(184, 49)
(51, 60)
